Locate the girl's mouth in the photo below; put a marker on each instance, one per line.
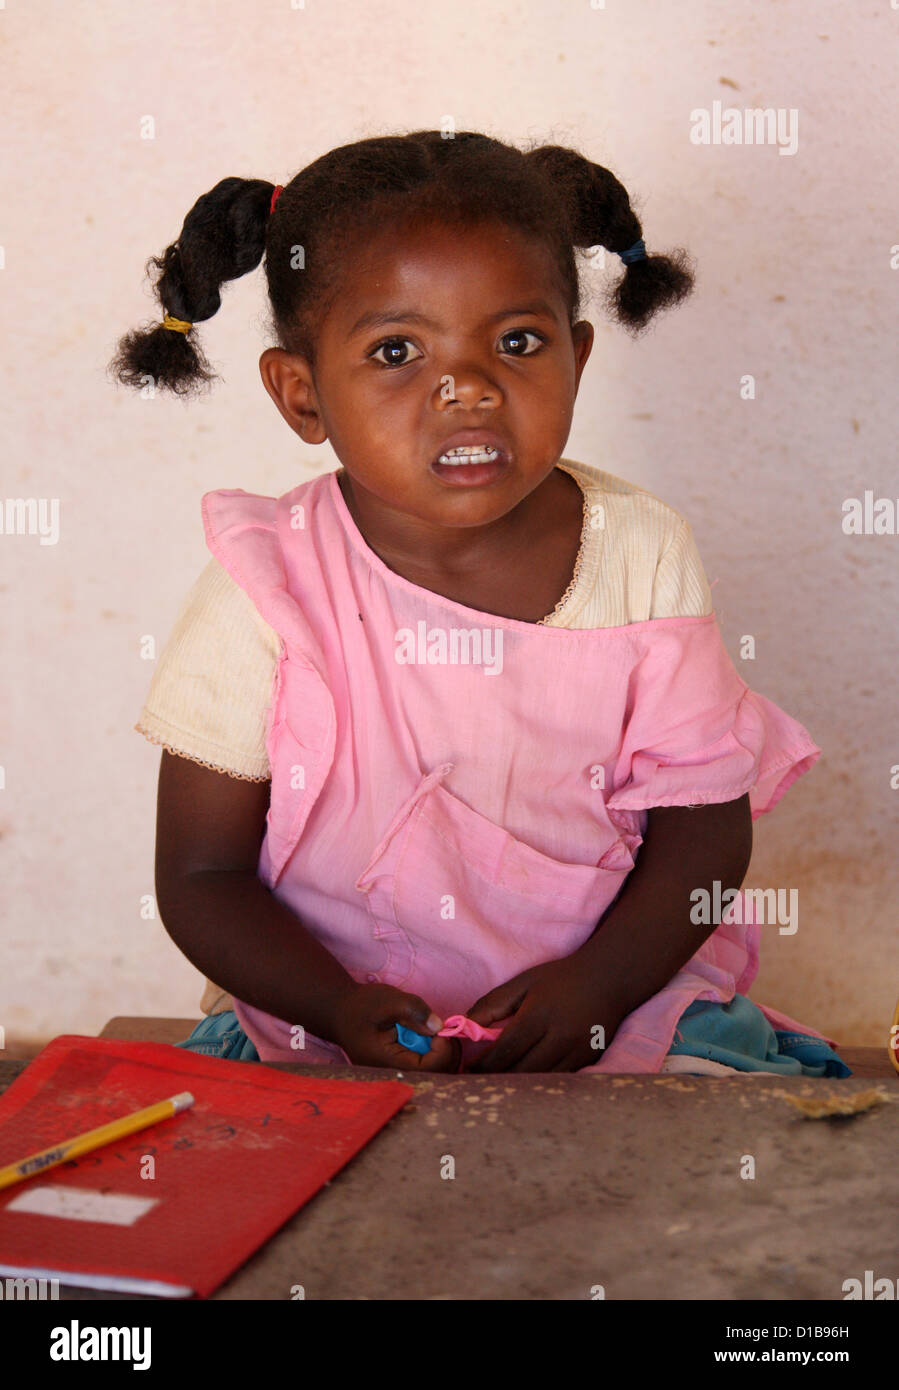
(470, 465)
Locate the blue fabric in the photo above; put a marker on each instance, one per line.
(739, 1035)
(220, 1035)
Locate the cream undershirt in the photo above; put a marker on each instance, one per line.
(212, 686)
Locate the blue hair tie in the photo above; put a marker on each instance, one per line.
(637, 252)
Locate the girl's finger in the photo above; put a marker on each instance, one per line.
(571, 1062)
(515, 1042)
(541, 1057)
(499, 1003)
(444, 1055)
(408, 1009)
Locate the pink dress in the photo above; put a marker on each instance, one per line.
(457, 797)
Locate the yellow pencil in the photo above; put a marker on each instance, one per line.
(94, 1139)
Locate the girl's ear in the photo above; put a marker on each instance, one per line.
(287, 378)
(582, 337)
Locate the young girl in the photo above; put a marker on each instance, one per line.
(451, 732)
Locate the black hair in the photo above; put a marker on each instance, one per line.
(549, 192)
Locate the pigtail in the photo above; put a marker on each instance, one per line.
(223, 237)
(600, 214)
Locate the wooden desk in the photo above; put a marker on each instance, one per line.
(563, 1182)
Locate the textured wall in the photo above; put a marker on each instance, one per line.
(795, 287)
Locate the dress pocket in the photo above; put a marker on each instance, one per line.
(299, 764)
(461, 905)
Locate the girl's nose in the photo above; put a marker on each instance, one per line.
(470, 386)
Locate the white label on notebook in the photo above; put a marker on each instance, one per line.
(78, 1204)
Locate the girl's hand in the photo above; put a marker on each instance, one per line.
(557, 1008)
(365, 1027)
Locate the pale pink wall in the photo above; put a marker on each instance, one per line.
(795, 287)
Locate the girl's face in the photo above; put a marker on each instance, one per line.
(434, 331)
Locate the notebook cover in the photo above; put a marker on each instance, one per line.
(229, 1171)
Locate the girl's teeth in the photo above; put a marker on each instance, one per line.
(469, 455)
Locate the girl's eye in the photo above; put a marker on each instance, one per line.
(394, 346)
(520, 334)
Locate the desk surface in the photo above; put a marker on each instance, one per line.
(563, 1182)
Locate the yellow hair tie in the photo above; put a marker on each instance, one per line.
(179, 325)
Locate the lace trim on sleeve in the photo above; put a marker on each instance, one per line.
(574, 582)
(203, 762)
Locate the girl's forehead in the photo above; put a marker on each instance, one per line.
(477, 260)
(451, 245)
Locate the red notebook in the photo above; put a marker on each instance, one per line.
(228, 1172)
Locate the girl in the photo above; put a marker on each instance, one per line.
(451, 732)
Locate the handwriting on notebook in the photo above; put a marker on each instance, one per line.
(217, 1133)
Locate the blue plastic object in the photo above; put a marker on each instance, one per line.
(416, 1042)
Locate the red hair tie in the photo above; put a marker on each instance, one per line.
(279, 188)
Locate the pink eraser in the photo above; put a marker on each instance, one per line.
(458, 1026)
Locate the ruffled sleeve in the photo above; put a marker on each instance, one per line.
(212, 685)
(694, 733)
